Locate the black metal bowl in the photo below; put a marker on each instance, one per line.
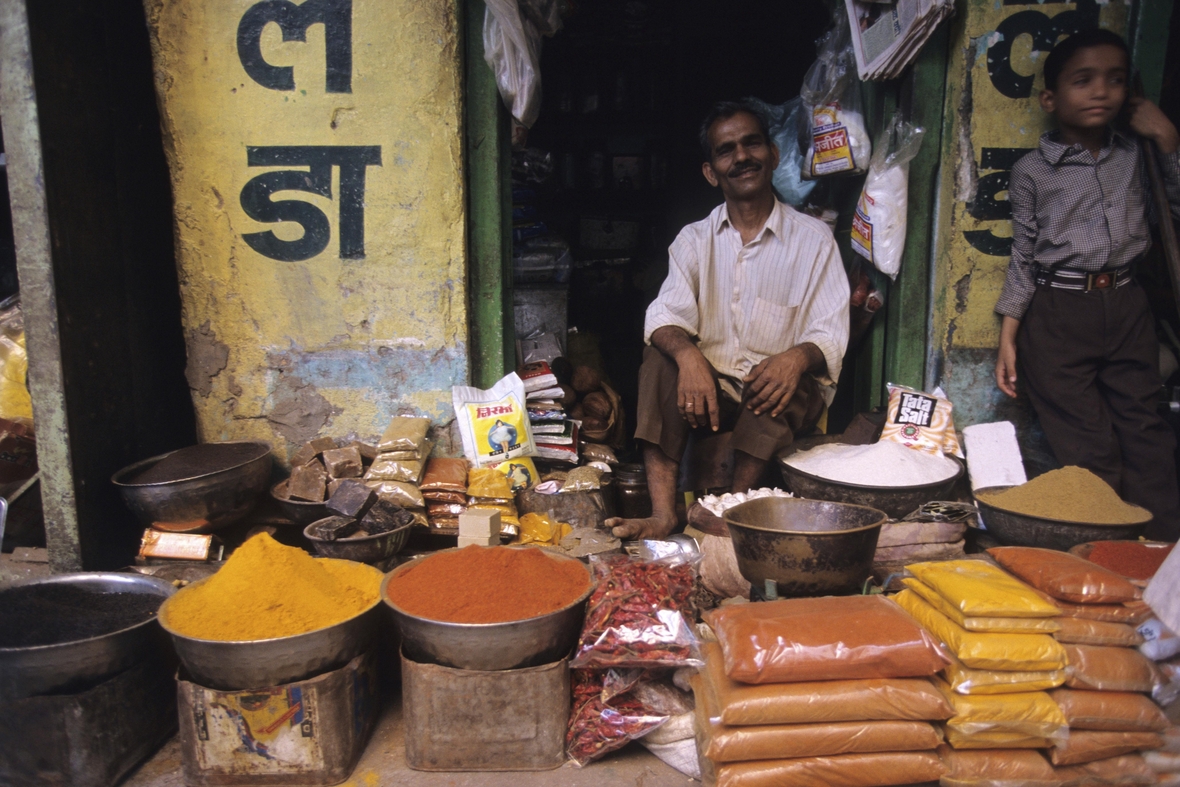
(362, 549)
(301, 512)
(895, 501)
(1022, 530)
(807, 547)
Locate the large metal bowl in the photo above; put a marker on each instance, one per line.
(807, 547)
(41, 669)
(362, 549)
(896, 501)
(202, 503)
(1021, 530)
(491, 646)
(263, 663)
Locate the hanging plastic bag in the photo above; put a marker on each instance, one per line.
(837, 141)
(879, 224)
(785, 122)
(493, 423)
(636, 615)
(512, 33)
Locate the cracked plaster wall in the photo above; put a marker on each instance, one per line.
(992, 51)
(288, 350)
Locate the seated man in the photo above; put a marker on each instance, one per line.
(750, 327)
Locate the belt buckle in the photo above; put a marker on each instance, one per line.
(1099, 281)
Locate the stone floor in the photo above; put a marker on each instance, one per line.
(384, 763)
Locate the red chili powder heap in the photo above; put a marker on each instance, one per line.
(1129, 558)
(487, 585)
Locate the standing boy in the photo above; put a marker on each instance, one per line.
(1073, 314)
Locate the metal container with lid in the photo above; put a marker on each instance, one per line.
(631, 494)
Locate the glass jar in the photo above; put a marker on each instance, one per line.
(631, 494)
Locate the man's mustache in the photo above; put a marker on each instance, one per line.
(743, 168)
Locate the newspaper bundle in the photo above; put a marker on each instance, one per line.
(888, 35)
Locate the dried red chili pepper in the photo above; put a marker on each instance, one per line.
(597, 728)
(635, 617)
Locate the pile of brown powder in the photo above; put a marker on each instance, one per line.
(1073, 494)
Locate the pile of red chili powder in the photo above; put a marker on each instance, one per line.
(487, 585)
(1130, 558)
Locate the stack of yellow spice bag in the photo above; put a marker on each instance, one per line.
(818, 692)
(1105, 696)
(997, 628)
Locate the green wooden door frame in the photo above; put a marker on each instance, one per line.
(1148, 38)
(492, 345)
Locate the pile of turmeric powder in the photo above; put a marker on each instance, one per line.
(268, 590)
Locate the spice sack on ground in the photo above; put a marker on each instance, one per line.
(1071, 494)
(487, 585)
(268, 590)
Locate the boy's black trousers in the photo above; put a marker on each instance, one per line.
(1090, 364)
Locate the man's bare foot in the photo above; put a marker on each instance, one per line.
(653, 527)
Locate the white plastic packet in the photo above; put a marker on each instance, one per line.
(493, 423)
(838, 142)
(878, 227)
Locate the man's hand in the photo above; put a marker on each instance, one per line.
(771, 384)
(1006, 357)
(1148, 120)
(696, 382)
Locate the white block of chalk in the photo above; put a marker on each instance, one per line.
(479, 523)
(993, 455)
(489, 541)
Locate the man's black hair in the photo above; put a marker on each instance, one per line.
(724, 110)
(1083, 39)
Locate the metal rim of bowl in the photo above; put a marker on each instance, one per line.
(69, 579)
(174, 633)
(451, 624)
(143, 464)
(361, 540)
(959, 464)
(884, 518)
(997, 489)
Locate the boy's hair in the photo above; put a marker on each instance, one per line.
(723, 110)
(1083, 39)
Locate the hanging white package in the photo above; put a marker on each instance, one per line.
(512, 48)
(494, 424)
(878, 227)
(838, 142)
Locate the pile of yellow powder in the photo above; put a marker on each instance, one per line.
(1073, 494)
(268, 590)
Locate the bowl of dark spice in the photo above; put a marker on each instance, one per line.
(1059, 510)
(197, 489)
(74, 630)
(370, 536)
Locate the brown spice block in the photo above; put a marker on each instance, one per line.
(385, 516)
(352, 498)
(368, 452)
(335, 527)
(344, 462)
(308, 482)
(334, 484)
(311, 450)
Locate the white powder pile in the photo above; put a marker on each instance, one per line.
(884, 463)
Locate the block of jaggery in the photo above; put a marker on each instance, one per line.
(308, 482)
(479, 523)
(334, 484)
(335, 527)
(344, 462)
(351, 498)
(368, 452)
(311, 450)
(385, 516)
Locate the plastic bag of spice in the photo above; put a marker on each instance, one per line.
(404, 433)
(1110, 669)
(828, 638)
(996, 768)
(920, 420)
(1087, 746)
(1030, 713)
(1065, 576)
(597, 728)
(980, 589)
(404, 494)
(1128, 770)
(1132, 613)
(995, 625)
(965, 680)
(1079, 631)
(1110, 711)
(387, 469)
(444, 474)
(636, 616)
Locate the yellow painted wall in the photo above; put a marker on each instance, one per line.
(287, 349)
(991, 118)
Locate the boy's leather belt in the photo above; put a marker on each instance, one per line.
(1084, 281)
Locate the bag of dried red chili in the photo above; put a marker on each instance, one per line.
(599, 727)
(636, 615)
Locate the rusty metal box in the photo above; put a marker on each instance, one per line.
(307, 733)
(469, 720)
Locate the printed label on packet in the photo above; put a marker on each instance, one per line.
(829, 137)
(862, 229)
(494, 423)
(921, 421)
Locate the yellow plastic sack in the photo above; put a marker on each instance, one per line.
(994, 625)
(979, 589)
(965, 680)
(1030, 713)
(540, 529)
(995, 739)
(486, 482)
(15, 403)
(1022, 652)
